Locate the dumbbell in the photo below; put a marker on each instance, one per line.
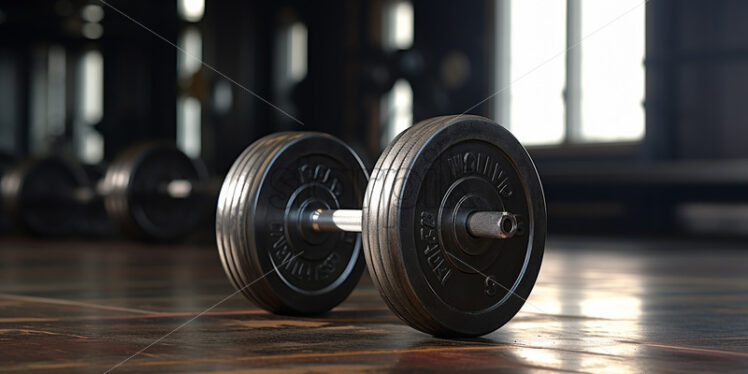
(452, 224)
(151, 191)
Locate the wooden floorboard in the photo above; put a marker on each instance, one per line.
(600, 306)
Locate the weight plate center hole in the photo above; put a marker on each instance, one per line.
(464, 251)
(301, 236)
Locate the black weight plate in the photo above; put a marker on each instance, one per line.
(379, 269)
(231, 223)
(38, 195)
(135, 193)
(433, 274)
(276, 262)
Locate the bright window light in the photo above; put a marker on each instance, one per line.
(398, 25)
(92, 30)
(189, 109)
(191, 52)
(537, 71)
(398, 110)
(604, 81)
(90, 107)
(291, 44)
(191, 10)
(612, 89)
(91, 150)
(189, 132)
(92, 13)
(397, 104)
(92, 87)
(297, 45)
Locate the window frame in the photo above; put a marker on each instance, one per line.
(572, 145)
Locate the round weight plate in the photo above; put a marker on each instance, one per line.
(428, 268)
(135, 192)
(39, 195)
(278, 263)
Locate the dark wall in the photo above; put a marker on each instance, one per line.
(140, 82)
(697, 79)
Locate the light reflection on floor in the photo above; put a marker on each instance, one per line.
(592, 309)
(598, 307)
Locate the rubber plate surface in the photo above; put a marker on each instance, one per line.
(135, 192)
(278, 263)
(433, 274)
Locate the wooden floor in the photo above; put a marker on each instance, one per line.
(599, 306)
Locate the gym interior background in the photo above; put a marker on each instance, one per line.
(634, 113)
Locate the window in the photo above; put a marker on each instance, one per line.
(612, 70)
(90, 143)
(571, 71)
(291, 65)
(397, 104)
(191, 10)
(189, 62)
(91, 15)
(297, 51)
